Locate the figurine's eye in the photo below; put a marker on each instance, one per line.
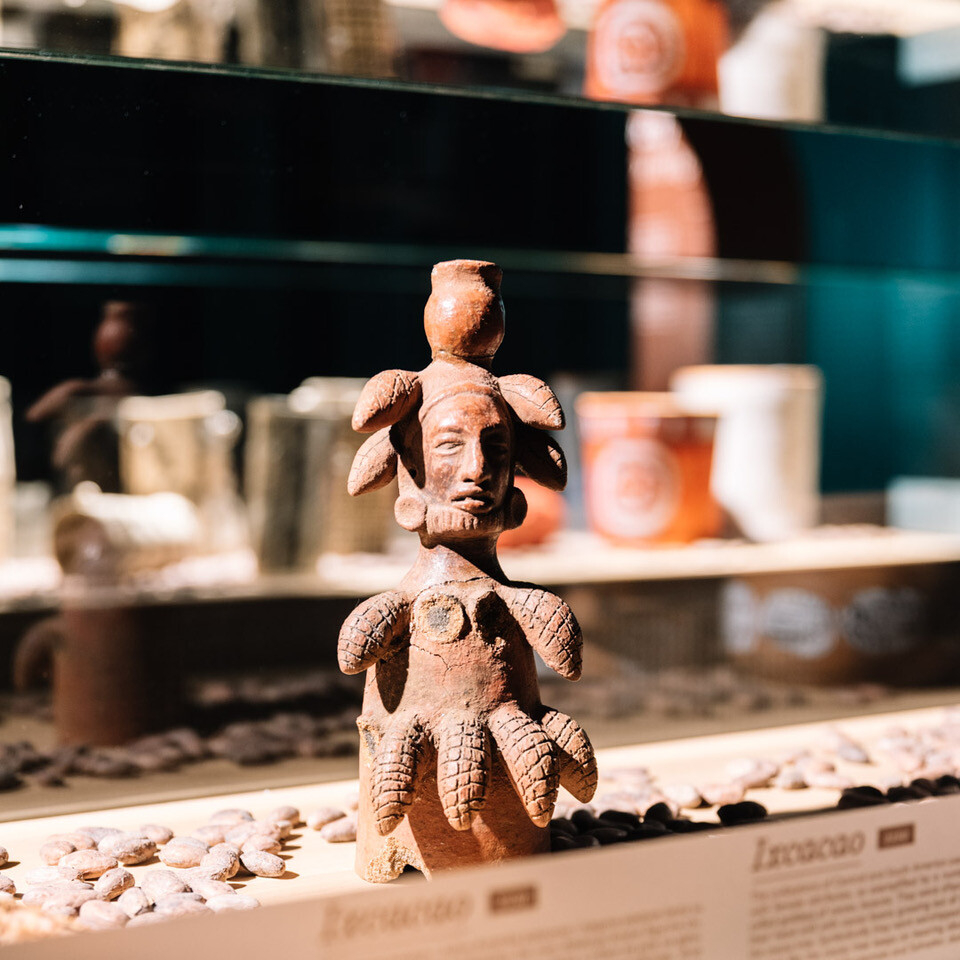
(448, 445)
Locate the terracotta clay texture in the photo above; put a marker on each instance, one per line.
(460, 761)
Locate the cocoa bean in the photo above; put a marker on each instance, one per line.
(208, 889)
(181, 852)
(685, 795)
(562, 841)
(608, 835)
(747, 811)
(828, 781)
(180, 905)
(340, 831)
(285, 812)
(617, 818)
(318, 819)
(161, 883)
(790, 778)
(128, 848)
(42, 875)
(156, 832)
(241, 832)
(7, 885)
(134, 902)
(101, 915)
(751, 771)
(68, 901)
(218, 866)
(261, 842)
(233, 849)
(862, 796)
(211, 834)
(720, 794)
(144, 919)
(96, 834)
(4, 856)
(85, 865)
(111, 884)
(564, 826)
(80, 841)
(661, 812)
(231, 816)
(53, 850)
(262, 864)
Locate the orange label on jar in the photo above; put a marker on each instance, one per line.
(648, 51)
(636, 488)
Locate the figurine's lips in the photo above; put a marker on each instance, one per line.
(474, 501)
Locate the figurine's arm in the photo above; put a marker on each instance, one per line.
(550, 628)
(532, 401)
(372, 631)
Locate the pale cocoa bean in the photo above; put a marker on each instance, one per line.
(111, 884)
(285, 813)
(179, 853)
(211, 834)
(235, 901)
(85, 865)
(180, 905)
(231, 816)
(4, 856)
(128, 848)
(218, 866)
(53, 850)
(145, 919)
(101, 915)
(351, 802)
(720, 794)
(96, 834)
(685, 795)
(262, 864)
(790, 778)
(65, 900)
(285, 828)
(44, 891)
(340, 831)
(161, 883)
(42, 875)
(751, 771)
(156, 832)
(80, 841)
(226, 847)
(318, 819)
(208, 889)
(261, 842)
(58, 906)
(240, 832)
(7, 885)
(134, 902)
(265, 828)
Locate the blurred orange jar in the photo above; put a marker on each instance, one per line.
(646, 466)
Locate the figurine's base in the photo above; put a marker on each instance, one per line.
(425, 840)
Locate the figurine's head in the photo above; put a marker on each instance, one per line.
(453, 434)
(461, 465)
(464, 315)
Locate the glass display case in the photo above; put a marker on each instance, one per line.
(201, 264)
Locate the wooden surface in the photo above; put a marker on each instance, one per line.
(316, 867)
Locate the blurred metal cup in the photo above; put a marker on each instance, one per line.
(298, 455)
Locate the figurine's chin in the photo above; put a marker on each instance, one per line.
(453, 522)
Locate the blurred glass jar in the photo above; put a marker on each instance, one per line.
(646, 465)
(298, 455)
(767, 469)
(183, 443)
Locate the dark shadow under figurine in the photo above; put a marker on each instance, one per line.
(460, 762)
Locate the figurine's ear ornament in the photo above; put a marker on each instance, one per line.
(386, 399)
(540, 458)
(374, 465)
(534, 403)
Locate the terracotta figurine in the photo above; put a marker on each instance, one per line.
(460, 762)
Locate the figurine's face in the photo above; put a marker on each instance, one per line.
(467, 454)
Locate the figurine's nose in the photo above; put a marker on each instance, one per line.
(474, 467)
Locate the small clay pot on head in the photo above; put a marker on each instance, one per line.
(464, 315)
